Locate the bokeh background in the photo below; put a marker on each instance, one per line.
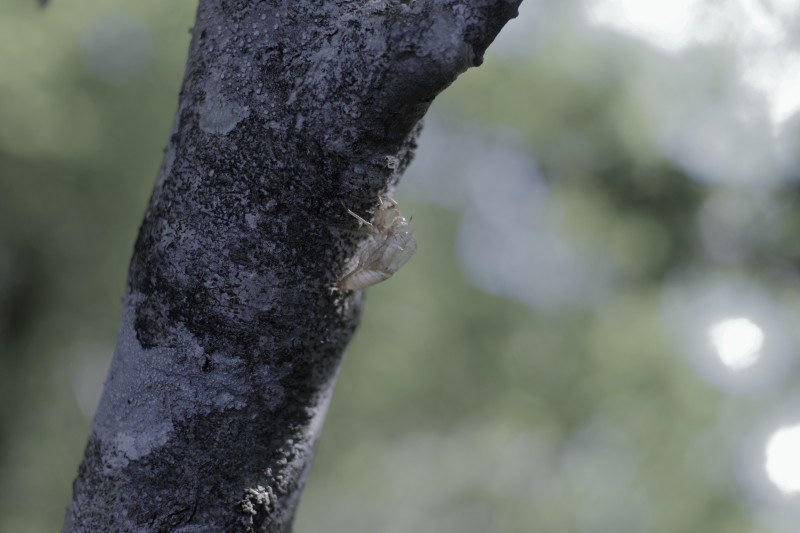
(599, 333)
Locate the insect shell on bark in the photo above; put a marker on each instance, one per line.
(389, 245)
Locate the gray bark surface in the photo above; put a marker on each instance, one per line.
(231, 337)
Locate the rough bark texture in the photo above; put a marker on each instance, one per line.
(230, 337)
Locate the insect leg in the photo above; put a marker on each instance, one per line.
(361, 221)
(387, 199)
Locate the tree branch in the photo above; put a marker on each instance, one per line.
(230, 337)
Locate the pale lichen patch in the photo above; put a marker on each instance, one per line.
(130, 447)
(219, 114)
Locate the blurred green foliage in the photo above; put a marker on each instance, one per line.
(456, 410)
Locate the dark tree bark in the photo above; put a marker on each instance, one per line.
(231, 337)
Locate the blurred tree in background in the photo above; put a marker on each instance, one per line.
(598, 333)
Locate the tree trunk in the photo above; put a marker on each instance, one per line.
(231, 336)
